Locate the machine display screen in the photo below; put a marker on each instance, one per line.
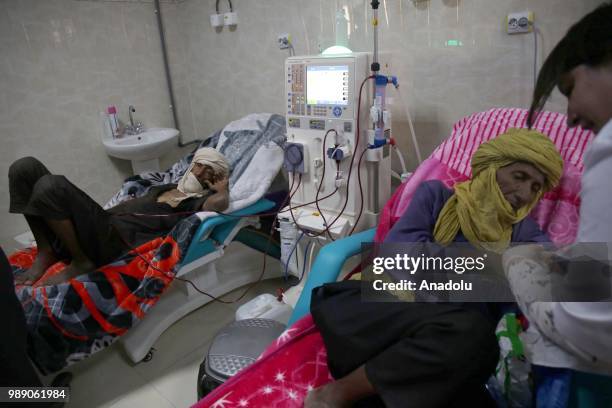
(327, 84)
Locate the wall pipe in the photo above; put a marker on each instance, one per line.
(162, 37)
(375, 67)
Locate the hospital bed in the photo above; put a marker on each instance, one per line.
(299, 350)
(142, 293)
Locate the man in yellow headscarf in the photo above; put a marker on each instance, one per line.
(509, 175)
(436, 354)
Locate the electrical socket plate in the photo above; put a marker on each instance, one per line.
(517, 23)
(284, 41)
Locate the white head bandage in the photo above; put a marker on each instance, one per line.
(189, 184)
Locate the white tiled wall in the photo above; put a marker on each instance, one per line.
(231, 73)
(63, 61)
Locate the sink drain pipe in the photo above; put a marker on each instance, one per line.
(162, 37)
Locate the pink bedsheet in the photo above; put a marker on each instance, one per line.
(291, 366)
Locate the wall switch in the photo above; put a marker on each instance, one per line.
(284, 41)
(521, 22)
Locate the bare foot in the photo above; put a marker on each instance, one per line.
(44, 259)
(342, 392)
(324, 397)
(76, 268)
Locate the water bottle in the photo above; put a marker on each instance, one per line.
(113, 119)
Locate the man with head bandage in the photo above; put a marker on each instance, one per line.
(419, 354)
(208, 171)
(68, 225)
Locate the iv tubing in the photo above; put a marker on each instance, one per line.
(401, 158)
(412, 133)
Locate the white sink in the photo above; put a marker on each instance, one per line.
(144, 149)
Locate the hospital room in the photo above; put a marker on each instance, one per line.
(306, 203)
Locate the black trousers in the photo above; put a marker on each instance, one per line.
(415, 354)
(38, 194)
(15, 367)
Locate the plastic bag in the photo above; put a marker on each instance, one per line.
(512, 384)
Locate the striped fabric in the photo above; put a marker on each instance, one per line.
(557, 213)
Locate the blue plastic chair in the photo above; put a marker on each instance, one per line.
(327, 267)
(220, 228)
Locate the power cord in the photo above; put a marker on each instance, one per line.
(322, 180)
(291, 254)
(348, 178)
(360, 192)
(535, 54)
(217, 6)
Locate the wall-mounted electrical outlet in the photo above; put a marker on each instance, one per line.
(216, 20)
(521, 22)
(284, 41)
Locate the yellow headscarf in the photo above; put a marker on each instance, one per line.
(478, 207)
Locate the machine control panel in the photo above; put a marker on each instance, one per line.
(321, 89)
(317, 124)
(296, 97)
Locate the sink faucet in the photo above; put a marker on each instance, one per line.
(133, 128)
(130, 111)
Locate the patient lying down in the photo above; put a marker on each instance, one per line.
(68, 225)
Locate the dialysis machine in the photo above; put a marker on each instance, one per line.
(327, 147)
(338, 137)
(333, 142)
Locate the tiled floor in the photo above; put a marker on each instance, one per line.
(110, 379)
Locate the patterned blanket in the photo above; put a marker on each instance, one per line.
(296, 362)
(70, 321)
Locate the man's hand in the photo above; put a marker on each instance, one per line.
(219, 185)
(219, 201)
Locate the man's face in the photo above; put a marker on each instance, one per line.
(520, 183)
(589, 96)
(204, 174)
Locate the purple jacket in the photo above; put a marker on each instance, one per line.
(418, 222)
